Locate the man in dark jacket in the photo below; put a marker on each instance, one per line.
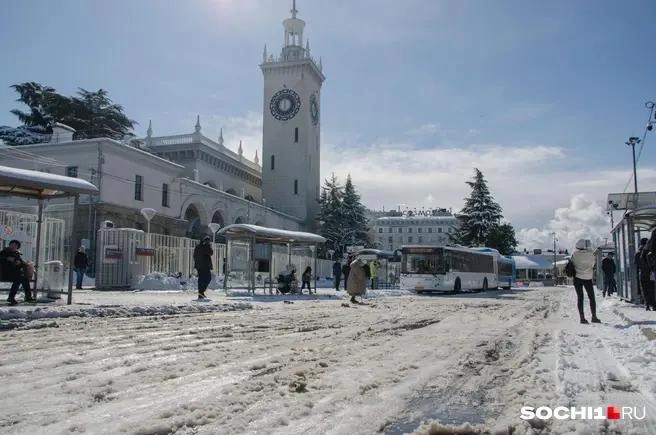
(608, 267)
(643, 243)
(346, 268)
(337, 273)
(81, 263)
(645, 275)
(14, 270)
(203, 264)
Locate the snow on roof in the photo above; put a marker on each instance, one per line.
(271, 235)
(538, 262)
(35, 184)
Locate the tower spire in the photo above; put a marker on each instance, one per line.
(264, 55)
(197, 127)
(149, 133)
(221, 137)
(293, 11)
(241, 150)
(257, 158)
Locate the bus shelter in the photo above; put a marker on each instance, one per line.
(389, 261)
(252, 235)
(626, 238)
(42, 187)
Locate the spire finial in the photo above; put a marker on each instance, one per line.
(307, 48)
(257, 158)
(264, 55)
(149, 133)
(221, 136)
(241, 150)
(197, 128)
(294, 11)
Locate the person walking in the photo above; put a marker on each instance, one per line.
(609, 268)
(358, 278)
(203, 264)
(346, 268)
(15, 270)
(81, 263)
(373, 271)
(643, 244)
(337, 273)
(584, 260)
(646, 271)
(305, 279)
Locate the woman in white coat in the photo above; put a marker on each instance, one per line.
(584, 262)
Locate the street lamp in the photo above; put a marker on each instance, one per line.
(214, 227)
(633, 141)
(554, 252)
(331, 252)
(148, 213)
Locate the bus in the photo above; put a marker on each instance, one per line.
(447, 268)
(505, 268)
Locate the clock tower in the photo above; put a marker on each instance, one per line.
(291, 137)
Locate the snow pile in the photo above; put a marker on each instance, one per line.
(19, 316)
(162, 281)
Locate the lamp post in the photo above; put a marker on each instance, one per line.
(148, 213)
(554, 254)
(633, 141)
(331, 252)
(214, 227)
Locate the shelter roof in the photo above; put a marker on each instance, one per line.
(537, 262)
(41, 185)
(270, 235)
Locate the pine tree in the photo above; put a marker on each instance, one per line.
(502, 238)
(480, 214)
(355, 220)
(330, 214)
(91, 114)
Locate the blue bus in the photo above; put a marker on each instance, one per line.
(505, 268)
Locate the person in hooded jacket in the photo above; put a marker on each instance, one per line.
(584, 261)
(645, 270)
(358, 279)
(203, 264)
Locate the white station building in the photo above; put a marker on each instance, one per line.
(424, 228)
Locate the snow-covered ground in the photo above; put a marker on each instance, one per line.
(154, 362)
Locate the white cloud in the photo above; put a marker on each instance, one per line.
(429, 129)
(581, 219)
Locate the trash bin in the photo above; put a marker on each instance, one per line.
(53, 278)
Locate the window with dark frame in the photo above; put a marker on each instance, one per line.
(138, 188)
(165, 195)
(273, 162)
(296, 135)
(295, 187)
(71, 171)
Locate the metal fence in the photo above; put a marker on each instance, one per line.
(23, 227)
(123, 254)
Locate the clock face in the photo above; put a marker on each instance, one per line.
(314, 109)
(285, 104)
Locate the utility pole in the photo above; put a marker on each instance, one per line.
(555, 268)
(633, 141)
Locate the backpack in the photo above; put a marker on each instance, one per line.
(570, 270)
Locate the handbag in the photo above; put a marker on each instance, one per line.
(570, 269)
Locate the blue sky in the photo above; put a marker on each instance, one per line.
(541, 96)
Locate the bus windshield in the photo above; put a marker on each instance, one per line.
(424, 261)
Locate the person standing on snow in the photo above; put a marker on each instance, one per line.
(203, 264)
(584, 261)
(81, 263)
(373, 272)
(15, 270)
(305, 279)
(358, 278)
(646, 271)
(608, 267)
(337, 273)
(346, 268)
(643, 244)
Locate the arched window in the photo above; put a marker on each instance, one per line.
(273, 162)
(295, 187)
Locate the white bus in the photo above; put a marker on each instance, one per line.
(447, 268)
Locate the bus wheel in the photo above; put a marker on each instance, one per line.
(457, 286)
(484, 284)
